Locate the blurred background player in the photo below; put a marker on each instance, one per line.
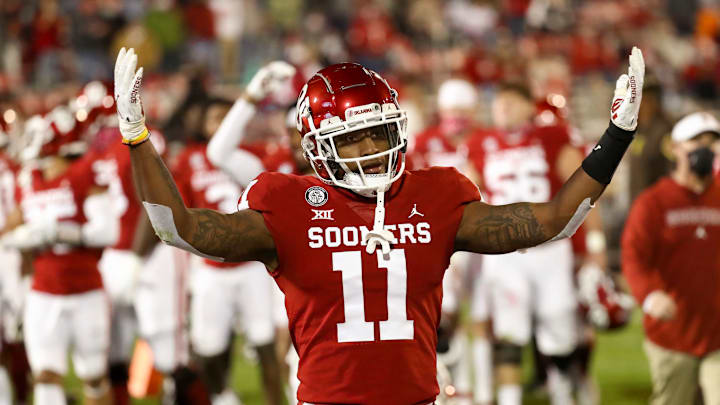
(118, 265)
(519, 160)
(223, 293)
(670, 260)
(10, 274)
(226, 152)
(161, 298)
(444, 144)
(62, 217)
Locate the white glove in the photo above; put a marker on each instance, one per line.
(31, 235)
(628, 93)
(269, 79)
(127, 97)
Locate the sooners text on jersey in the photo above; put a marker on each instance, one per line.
(363, 324)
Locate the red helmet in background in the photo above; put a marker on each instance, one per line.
(95, 100)
(604, 305)
(55, 134)
(343, 98)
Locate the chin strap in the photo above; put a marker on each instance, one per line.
(379, 235)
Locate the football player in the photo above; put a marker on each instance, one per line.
(10, 285)
(222, 292)
(119, 266)
(520, 160)
(224, 151)
(62, 216)
(444, 144)
(362, 280)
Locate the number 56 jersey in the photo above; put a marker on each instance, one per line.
(364, 325)
(518, 166)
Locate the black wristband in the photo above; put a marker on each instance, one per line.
(605, 157)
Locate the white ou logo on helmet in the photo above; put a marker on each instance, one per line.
(303, 108)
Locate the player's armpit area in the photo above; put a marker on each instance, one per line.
(240, 236)
(505, 228)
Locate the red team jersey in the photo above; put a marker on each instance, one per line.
(364, 325)
(202, 185)
(110, 163)
(280, 160)
(433, 148)
(518, 166)
(61, 269)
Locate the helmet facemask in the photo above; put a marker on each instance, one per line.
(321, 148)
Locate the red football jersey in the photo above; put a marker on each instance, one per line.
(110, 163)
(280, 160)
(363, 324)
(202, 185)
(275, 157)
(518, 166)
(433, 148)
(62, 269)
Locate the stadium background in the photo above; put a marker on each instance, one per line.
(569, 51)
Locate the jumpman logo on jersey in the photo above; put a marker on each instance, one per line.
(415, 212)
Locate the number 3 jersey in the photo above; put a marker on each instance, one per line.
(364, 325)
(518, 166)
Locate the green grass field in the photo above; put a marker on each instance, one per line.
(619, 368)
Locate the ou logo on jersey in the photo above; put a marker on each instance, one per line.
(316, 196)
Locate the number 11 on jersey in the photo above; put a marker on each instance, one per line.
(356, 328)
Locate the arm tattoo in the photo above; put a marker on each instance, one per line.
(226, 235)
(509, 227)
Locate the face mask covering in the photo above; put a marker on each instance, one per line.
(701, 161)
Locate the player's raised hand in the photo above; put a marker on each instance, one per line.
(268, 79)
(628, 93)
(127, 98)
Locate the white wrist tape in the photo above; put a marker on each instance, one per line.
(70, 233)
(577, 219)
(161, 218)
(131, 131)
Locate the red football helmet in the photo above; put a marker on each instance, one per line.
(95, 100)
(343, 98)
(604, 305)
(56, 133)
